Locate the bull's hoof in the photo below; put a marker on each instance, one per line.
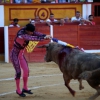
(85, 75)
(73, 93)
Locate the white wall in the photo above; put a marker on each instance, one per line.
(90, 0)
(6, 44)
(86, 10)
(1, 15)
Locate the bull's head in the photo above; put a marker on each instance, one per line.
(52, 50)
(47, 57)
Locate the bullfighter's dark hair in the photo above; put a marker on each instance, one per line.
(30, 27)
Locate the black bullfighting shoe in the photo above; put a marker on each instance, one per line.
(27, 91)
(21, 95)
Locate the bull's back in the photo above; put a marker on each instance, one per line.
(85, 61)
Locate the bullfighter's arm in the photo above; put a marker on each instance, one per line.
(42, 35)
(35, 38)
(32, 38)
(39, 34)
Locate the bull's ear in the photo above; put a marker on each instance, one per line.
(43, 46)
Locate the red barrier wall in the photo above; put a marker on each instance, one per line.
(87, 37)
(67, 33)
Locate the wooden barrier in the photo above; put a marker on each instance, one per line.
(87, 37)
(1, 40)
(67, 33)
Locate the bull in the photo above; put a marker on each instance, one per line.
(75, 64)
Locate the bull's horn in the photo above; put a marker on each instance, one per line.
(43, 46)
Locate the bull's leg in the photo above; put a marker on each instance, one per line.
(97, 87)
(67, 81)
(75, 75)
(90, 74)
(85, 75)
(93, 79)
(80, 84)
(95, 95)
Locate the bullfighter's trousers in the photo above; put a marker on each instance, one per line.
(19, 62)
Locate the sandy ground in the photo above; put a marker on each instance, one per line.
(46, 82)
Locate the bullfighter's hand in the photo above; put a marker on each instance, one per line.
(48, 37)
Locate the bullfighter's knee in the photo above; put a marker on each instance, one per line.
(26, 74)
(18, 75)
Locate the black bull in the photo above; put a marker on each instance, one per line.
(75, 64)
